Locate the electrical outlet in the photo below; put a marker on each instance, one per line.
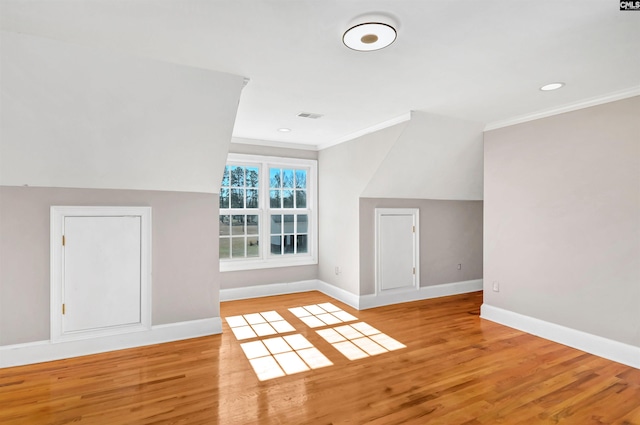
(459, 266)
(337, 270)
(496, 286)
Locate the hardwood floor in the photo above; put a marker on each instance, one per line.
(455, 369)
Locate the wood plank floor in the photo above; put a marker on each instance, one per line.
(455, 369)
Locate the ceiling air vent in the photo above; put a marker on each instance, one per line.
(309, 115)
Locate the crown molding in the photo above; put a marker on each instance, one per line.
(594, 101)
(273, 144)
(351, 136)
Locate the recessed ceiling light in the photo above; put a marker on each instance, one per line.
(369, 36)
(552, 86)
(284, 130)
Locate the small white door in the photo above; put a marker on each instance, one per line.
(100, 271)
(397, 249)
(101, 286)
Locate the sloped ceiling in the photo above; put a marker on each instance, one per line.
(435, 157)
(475, 60)
(74, 116)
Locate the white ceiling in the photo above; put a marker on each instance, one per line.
(479, 60)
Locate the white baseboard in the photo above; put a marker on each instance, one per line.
(339, 294)
(423, 293)
(359, 302)
(271, 289)
(44, 351)
(593, 344)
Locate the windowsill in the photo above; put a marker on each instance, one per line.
(242, 265)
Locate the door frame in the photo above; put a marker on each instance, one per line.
(58, 215)
(415, 213)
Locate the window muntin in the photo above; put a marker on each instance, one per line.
(267, 216)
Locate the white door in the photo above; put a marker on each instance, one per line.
(100, 271)
(397, 249)
(101, 285)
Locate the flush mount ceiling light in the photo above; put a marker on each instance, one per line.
(552, 86)
(284, 130)
(369, 33)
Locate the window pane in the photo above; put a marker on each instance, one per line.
(224, 247)
(302, 243)
(252, 176)
(274, 197)
(237, 198)
(237, 247)
(288, 244)
(252, 247)
(301, 179)
(287, 199)
(225, 177)
(224, 198)
(276, 225)
(275, 182)
(288, 223)
(303, 223)
(287, 178)
(224, 225)
(237, 225)
(301, 199)
(237, 176)
(276, 245)
(252, 198)
(252, 225)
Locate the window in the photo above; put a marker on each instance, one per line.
(267, 212)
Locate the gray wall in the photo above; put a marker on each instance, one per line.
(240, 279)
(184, 254)
(344, 171)
(450, 234)
(562, 219)
(428, 157)
(102, 124)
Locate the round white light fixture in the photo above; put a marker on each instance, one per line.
(284, 130)
(369, 36)
(552, 86)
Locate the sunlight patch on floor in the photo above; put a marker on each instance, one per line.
(318, 315)
(280, 356)
(359, 340)
(276, 356)
(254, 325)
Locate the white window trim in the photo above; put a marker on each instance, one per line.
(266, 260)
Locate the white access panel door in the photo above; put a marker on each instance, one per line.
(102, 272)
(396, 249)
